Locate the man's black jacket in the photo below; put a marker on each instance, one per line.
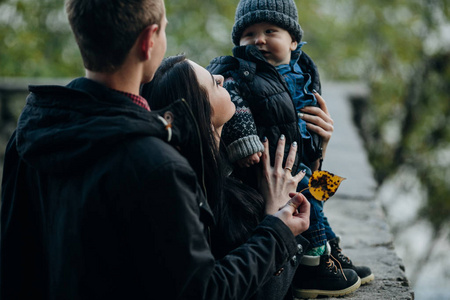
(96, 204)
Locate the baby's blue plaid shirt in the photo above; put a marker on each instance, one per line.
(298, 84)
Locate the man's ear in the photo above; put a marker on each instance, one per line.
(147, 40)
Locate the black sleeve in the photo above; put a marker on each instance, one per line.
(170, 237)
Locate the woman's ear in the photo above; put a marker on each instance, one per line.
(147, 40)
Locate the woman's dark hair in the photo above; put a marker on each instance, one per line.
(237, 207)
(239, 212)
(176, 79)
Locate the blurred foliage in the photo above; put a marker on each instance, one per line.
(397, 46)
(404, 55)
(36, 40)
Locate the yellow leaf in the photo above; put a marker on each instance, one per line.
(323, 184)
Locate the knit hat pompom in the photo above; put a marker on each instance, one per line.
(282, 13)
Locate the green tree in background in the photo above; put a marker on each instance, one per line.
(403, 52)
(402, 57)
(36, 40)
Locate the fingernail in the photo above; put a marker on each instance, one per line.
(303, 171)
(282, 137)
(300, 115)
(294, 144)
(264, 139)
(314, 91)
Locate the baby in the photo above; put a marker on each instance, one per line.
(276, 89)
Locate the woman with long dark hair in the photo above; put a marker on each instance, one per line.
(237, 207)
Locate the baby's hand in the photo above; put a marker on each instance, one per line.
(249, 160)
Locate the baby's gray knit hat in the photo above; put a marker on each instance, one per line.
(282, 13)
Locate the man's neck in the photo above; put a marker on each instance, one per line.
(121, 81)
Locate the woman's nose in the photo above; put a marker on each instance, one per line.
(220, 78)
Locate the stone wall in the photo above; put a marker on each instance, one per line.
(355, 211)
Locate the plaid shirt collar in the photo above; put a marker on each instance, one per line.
(136, 99)
(293, 65)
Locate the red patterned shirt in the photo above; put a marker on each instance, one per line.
(136, 99)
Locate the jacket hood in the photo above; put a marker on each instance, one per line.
(63, 129)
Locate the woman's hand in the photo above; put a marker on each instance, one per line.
(277, 182)
(318, 120)
(295, 213)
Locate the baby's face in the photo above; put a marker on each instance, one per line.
(275, 43)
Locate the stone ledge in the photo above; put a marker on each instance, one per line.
(367, 240)
(354, 212)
